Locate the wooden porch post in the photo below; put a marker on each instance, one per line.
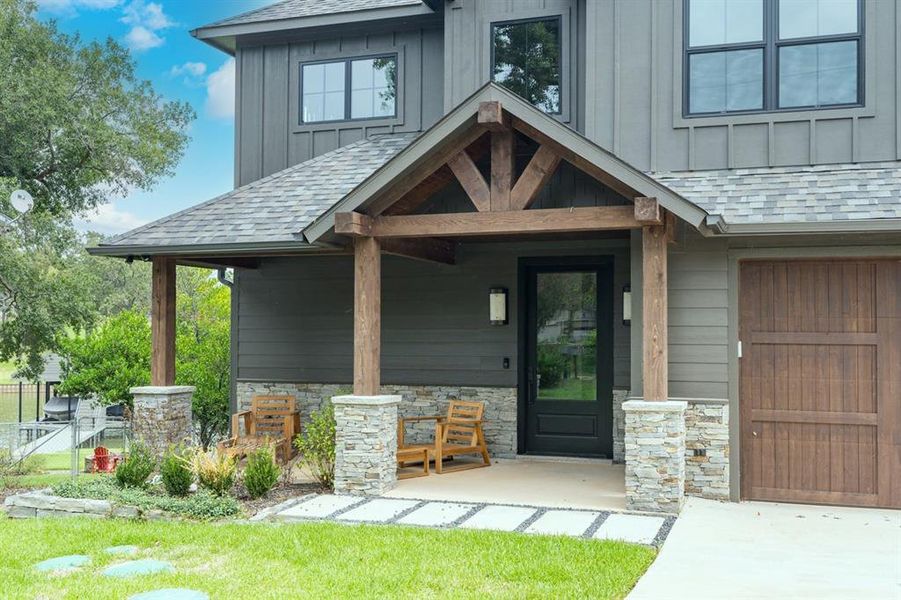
(367, 316)
(162, 322)
(654, 314)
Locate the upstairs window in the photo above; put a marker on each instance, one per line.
(526, 59)
(765, 55)
(358, 88)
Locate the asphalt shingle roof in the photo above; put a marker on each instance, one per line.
(275, 208)
(292, 9)
(824, 193)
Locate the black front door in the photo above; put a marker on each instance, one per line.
(568, 355)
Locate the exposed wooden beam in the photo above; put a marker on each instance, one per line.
(491, 116)
(574, 159)
(427, 249)
(551, 220)
(471, 179)
(647, 211)
(162, 321)
(367, 316)
(654, 313)
(538, 172)
(409, 180)
(416, 197)
(353, 223)
(502, 167)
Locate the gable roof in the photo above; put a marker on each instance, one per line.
(840, 197)
(266, 214)
(292, 9)
(462, 118)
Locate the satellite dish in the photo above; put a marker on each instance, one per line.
(21, 201)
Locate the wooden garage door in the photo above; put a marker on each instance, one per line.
(820, 381)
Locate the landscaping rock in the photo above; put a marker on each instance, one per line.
(119, 550)
(146, 566)
(63, 563)
(170, 594)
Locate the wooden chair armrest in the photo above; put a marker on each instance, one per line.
(247, 416)
(426, 418)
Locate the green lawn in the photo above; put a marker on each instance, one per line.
(237, 561)
(36, 481)
(6, 372)
(571, 389)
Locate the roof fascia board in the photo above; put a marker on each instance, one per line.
(857, 226)
(247, 249)
(342, 18)
(462, 116)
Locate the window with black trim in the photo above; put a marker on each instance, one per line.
(343, 90)
(767, 55)
(526, 58)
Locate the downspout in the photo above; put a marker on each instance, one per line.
(220, 275)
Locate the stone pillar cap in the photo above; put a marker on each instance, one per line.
(163, 389)
(655, 405)
(383, 400)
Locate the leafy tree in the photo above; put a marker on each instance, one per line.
(527, 61)
(115, 356)
(76, 126)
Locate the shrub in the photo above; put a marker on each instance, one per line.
(261, 473)
(551, 365)
(215, 471)
(136, 468)
(201, 506)
(317, 446)
(176, 472)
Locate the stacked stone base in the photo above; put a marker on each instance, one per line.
(655, 455)
(42, 504)
(365, 444)
(707, 449)
(162, 416)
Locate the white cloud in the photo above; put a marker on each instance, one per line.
(192, 69)
(146, 19)
(107, 219)
(141, 38)
(71, 6)
(220, 91)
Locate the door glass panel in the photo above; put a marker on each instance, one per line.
(566, 314)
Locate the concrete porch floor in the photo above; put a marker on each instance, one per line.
(536, 481)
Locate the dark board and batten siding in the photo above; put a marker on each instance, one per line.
(269, 136)
(295, 318)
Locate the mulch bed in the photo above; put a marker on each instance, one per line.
(277, 495)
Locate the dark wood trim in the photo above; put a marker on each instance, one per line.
(813, 416)
(537, 173)
(655, 366)
(367, 316)
(162, 322)
(424, 190)
(469, 176)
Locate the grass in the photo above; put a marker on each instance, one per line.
(37, 481)
(317, 560)
(6, 372)
(571, 389)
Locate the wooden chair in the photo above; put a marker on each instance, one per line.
(460, 432)
(272, 421)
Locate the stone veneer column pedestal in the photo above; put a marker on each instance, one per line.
(162, 416)
(655, 455)
(365, 444)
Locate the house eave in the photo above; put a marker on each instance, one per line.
(211, 32)
(719, 227)
(240, 249)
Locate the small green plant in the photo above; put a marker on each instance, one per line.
(137, 467)
(215, 471)
(261, 473)
(176, 472)
(10, 466)
(317, 446)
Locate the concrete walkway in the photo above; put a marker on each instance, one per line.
(639, 529)
(765, 550)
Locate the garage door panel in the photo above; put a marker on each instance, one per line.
(820, 381)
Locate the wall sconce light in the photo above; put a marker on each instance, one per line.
(627, 305)
(497, 306)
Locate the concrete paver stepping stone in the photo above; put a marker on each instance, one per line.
(500, 518)
(563, 522)
(379, 510)
(62, 563)
(436, 514)
(170, 594)
(146, 566)
(117, 550)
(629, 528)
(319, 507)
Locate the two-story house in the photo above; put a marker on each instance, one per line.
(426, 188)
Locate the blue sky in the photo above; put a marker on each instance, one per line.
(181, 68)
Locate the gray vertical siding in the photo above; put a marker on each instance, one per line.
(295, 317)
(269, 136)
